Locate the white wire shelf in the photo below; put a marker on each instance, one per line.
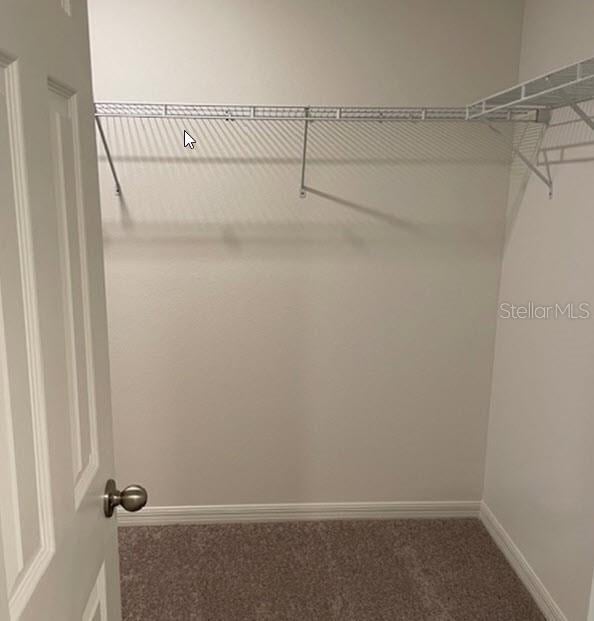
(120, 109)
(530, 101)
(568, 86)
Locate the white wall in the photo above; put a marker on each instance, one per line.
(540, 467)
(266, 348)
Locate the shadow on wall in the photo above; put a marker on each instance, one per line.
(367, 182)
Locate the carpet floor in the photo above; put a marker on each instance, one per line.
(405, 570)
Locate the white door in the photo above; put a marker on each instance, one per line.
(58, 552)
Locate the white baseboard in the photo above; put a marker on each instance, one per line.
(521, 566)
(299, 511)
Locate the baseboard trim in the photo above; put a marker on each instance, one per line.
(207, 514)
(521, 566)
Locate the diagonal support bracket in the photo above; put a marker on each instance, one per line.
(302, 189)
(577, 109)
(118, 187)
(546, 179)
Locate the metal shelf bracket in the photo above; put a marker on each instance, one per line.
(118, 187)
(546, 179)
(576, 108)
(302, 189)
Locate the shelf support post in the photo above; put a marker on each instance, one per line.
(302, 190)
(118, 187)
(547, 180)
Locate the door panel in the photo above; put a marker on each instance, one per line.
(65, 153)
(27, 520)
(58, 558)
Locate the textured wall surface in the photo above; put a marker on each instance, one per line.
(540, 467)
(270, 349)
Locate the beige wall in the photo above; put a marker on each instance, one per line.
(540, 467)
(339, 348)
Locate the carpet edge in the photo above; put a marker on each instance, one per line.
(545, 601)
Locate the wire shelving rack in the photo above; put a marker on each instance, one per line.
(531, 101)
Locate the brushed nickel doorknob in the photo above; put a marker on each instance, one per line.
(131, 498)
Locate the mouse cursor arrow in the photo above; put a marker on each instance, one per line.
(188, 140)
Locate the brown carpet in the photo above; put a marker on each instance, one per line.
(408, 570)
